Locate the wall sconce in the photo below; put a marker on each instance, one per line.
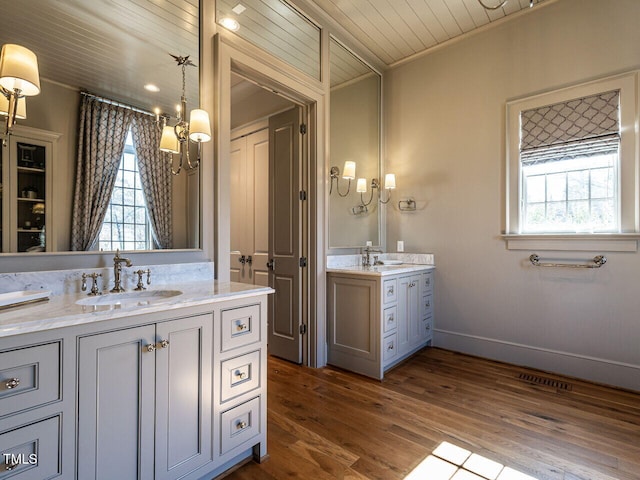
(389, 184)
(19, 78)
(176, 139)
(348, 173)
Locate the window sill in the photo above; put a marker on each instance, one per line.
(595, 242)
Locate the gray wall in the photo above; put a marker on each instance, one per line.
(445, 140)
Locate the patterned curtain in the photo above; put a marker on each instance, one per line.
(155, 174)
(103, 131)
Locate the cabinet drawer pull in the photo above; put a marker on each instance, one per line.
(389, 291)
(241, 375)
(149, 348)
(427, 281)
(241, 425)
(428, 304)
(390, 347)
(241, 326)
(390, 319)
(13, 383)
(11, 466)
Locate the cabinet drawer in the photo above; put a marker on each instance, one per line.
(31, 452)
(390, 291)
(240, 326)
(239, 375)
(390, 319)
(426, 331)
(427, 282)
(389, 348)
(29, 377)
(427, 305)
(239, 425)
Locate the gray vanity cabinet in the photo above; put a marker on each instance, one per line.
(144, 400)
(376, 321)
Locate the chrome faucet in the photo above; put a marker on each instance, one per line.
(117, 271)
(366, 258)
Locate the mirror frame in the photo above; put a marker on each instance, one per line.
(43, 261)
(381, 212)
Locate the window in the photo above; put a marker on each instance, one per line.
(569, 165)
(126, 225)
(571, 169)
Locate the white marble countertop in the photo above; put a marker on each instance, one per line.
(62, 311)
(380, 270)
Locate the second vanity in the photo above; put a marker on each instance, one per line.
(172, 386)
(378, 316)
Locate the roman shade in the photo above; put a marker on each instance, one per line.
(581, 127)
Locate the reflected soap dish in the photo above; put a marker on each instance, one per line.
(23, 297)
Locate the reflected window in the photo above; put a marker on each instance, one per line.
(276, 27)
(126, 224)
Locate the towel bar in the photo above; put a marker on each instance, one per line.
(598, 261)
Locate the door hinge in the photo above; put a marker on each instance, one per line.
(303, 195)
(303, 261)
(303, 128)
(303, 329)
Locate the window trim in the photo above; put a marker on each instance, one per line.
(628, 175)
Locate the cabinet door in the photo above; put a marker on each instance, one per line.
(116, 374)
(408, 313)
(183, 395)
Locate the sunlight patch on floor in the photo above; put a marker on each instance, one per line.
(450, 462)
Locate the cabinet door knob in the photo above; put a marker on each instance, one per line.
(241, 326)
(390, 347)
(242, 259)
(390, 320)
(241, 425)
(163, 343)
(150, 348)
(11, 466)
(249, 260)
(241, 375)
(13, 383)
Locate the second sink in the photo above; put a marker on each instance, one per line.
(144, 297)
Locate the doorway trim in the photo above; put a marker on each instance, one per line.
(234, 54)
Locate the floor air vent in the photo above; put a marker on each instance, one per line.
(547, 382)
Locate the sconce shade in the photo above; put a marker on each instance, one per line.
(21, 112)
(362, 185)
(19, 70)
(199, 126)
(169, 141)
(390, 181)
(349, 170)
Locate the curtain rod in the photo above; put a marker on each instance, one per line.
(119, 104)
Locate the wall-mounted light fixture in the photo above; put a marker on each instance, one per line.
(19, 78)
(198, 130)
(389, 184)
(348, 173)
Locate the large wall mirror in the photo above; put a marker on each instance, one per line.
(354, 136)
(112, 49)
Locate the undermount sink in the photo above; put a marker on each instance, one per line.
(142, 297)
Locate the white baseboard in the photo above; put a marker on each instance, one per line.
(599, 370)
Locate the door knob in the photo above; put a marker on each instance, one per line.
(271, 265)
(242, 260)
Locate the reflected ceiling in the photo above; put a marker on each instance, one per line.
(110, 47)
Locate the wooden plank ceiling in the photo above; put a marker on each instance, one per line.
(114, 47)
(397, 29)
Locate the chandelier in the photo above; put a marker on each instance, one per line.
(175, 140)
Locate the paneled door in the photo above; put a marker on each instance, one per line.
(285, 239)
(250, 208)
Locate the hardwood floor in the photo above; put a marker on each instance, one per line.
(328, 423)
